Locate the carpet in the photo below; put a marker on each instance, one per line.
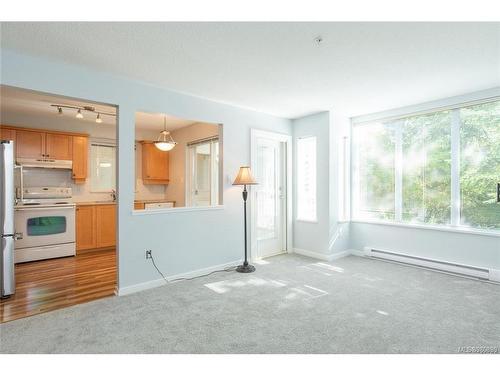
(291, 304)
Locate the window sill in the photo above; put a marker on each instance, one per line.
(464, 230)
(176, 210)
(307, 221)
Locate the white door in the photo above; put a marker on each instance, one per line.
(270, 220)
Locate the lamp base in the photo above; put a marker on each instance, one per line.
(245, 268)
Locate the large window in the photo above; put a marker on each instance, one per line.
(306, 179)
(439, 168)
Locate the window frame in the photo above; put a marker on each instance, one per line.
(297, 214)
(455, 198)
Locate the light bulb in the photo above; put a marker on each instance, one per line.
(79, 114)
(59, 111)
(98, 119)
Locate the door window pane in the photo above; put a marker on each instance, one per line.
(306, 179)
(374, 171)
(46, 225)
(266, 192)
(480, 165)
(426, 168)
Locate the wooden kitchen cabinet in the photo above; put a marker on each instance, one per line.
(139, 206)
(7, 134)
(106, 225)
(95, 226)
(58, 146)
(154, 164)
(80, 156)
(85, 228)
(45, 144)
(30, 144)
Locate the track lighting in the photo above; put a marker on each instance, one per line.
(79, 109)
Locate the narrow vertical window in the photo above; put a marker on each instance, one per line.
(306, 179)
(103, 171)
(480, 165)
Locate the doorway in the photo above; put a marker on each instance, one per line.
(64, 201)
(271, 206)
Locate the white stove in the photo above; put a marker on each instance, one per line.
(44, 196)
(45, 217)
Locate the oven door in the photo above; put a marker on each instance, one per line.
(44, 226)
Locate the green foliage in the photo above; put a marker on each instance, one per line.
(426, 153)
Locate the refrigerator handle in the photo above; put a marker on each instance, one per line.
(21, 178)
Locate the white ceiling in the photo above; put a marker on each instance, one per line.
(277, 67)
(31, 104)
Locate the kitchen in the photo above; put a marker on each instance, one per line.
(58, 202)
(63, 221)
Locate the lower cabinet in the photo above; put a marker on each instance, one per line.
(106, 225)
(95, 226)
(85, 228)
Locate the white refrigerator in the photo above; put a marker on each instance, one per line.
(7, 233)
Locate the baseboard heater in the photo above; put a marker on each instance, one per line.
(433, 264)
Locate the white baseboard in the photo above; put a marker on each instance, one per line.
(321, 256)
(357, 253)
(159, 282)
(495, 275)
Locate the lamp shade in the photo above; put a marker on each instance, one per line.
(244, 177)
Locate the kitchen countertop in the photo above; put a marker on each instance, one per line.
(153, 201)
(94, 203)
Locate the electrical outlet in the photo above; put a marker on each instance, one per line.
(148, 254)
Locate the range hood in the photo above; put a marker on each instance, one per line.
(45, 163)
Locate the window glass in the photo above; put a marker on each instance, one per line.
(103, 171)
(426, 168)
(480, 165)
(204, 174)
(306, 179)
(374, 171)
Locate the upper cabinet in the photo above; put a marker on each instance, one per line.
(30, 144)
(44, 144)
(80, 152)
(154, 164)
(37, 144)
(58, 146)
(7, 134)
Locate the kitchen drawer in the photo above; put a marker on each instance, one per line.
(156, 206)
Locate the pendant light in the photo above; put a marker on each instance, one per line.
(98, 119)
(165, 141)
(79, 114)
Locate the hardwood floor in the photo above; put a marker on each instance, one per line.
(52, 284)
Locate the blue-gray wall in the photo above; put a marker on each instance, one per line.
(182, 241)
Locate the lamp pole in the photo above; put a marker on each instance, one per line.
(245, 268)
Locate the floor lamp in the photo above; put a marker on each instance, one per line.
(245, 178)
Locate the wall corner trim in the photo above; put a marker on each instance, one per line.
(160, 282)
